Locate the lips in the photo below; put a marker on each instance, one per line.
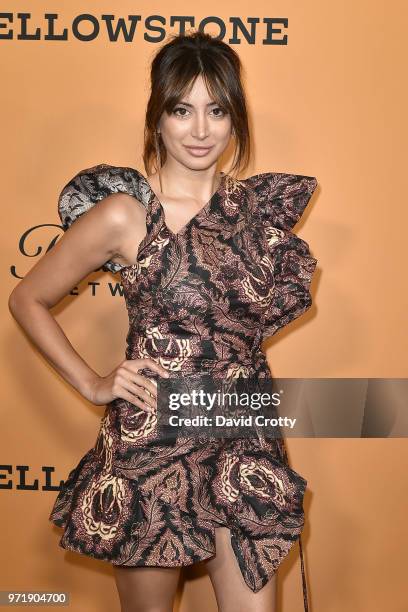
(198, 150)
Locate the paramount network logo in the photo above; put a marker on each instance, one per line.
(152, 28)
(33, 244)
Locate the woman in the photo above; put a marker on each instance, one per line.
(210, 268)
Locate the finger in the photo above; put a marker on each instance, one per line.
(134, 383)
(148, 385)
(135, 400)
(129, 371)
(154, 366)
(140, 392)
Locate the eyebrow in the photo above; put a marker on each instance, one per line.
(192, 105)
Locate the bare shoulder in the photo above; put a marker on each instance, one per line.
(125, 215)
(122, 209)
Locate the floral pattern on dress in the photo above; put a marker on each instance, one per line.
(199, 301)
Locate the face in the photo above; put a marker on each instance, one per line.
(196, 121)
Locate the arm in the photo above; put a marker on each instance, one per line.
(114, 228)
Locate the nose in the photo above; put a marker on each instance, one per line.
(200, 127)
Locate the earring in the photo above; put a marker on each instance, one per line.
(157, 147)
(158, 158)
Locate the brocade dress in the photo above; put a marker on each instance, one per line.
(201, 300)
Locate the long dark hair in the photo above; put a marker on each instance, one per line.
(174, 69)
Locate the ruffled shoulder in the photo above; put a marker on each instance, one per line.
(281, 197)
(280, 200)
(91, 185)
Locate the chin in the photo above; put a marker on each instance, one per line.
(196, 162)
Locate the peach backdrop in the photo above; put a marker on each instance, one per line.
(332, 104)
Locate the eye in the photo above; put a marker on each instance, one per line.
(179, 108)
(221, 113)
